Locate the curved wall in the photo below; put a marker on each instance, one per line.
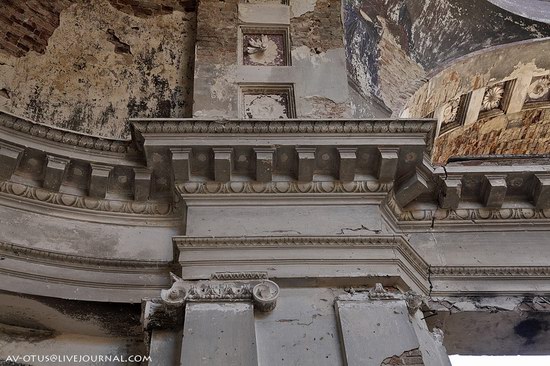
(468, 126)
(394, 46)
(88, 66)
(538, 10)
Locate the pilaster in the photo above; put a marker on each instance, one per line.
(380, 327)
(219, 310)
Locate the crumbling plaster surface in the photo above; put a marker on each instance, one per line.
(318, 64)
(527, 132)
(478, 70)
(101, 66)
(58, 316)
(521, 132)
(411, 39)
(516, 324)
(44, 326)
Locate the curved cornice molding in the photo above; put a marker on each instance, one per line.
(538, 10)
(428, 215)
(87, 208)
(72, 276)
(78, 261)
(66, 137)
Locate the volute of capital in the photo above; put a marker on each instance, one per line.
(167, 311)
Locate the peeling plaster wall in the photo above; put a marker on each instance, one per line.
(527, 132)
(477, 71)
(392, 46)
(516, 324)
(518, 132)
(215, 91)
(318, 65)
(101, 65)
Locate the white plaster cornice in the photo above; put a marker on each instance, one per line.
(299, 257)
(57, 140)
(72, 276)
(128, 212)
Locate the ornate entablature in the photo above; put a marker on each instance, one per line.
(279, 158)
(382, 162)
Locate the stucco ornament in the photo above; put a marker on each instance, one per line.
(450, 111)
(265, 295)
(257, 45)
(265, 106)
(262, 50)
(378, 292)
(539, 88)
(492, 98)
(264, 292)
(176, 294)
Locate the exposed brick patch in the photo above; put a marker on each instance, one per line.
(321, 29)
(150, 8)
(27, 25)
(527, 132)
(102, 66)
(120, 47)
(409, 358)
(217, 32)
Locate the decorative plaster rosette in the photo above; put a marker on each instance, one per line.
(539, 88)
(492, 98)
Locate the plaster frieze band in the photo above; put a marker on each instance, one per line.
(380, 254)
(72, 276)
(281, 187)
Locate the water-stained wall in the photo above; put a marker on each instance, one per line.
(89, 65)
(394, 46)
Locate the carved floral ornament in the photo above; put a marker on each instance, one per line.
(413, 300)
(450, 111)
(265, 47)
(257, 45)
(492, 98)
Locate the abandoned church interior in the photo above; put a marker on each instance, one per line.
(274, 182)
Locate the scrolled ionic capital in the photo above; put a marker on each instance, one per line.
(165, 311)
